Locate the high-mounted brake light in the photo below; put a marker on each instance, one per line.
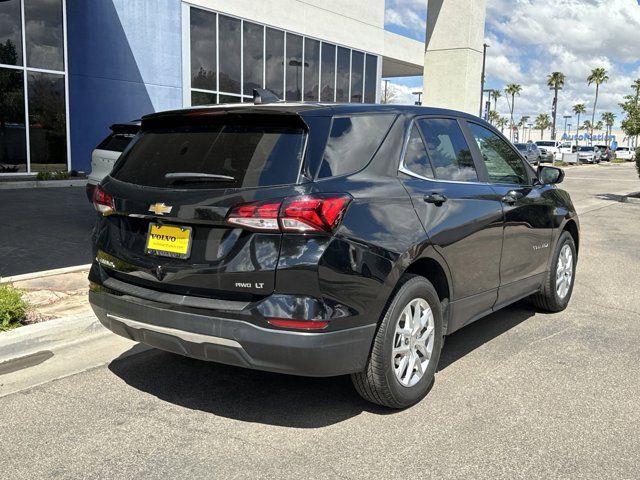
(306, 214)
(103, 201)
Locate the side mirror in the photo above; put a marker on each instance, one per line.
(550, 175)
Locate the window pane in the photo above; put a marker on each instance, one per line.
(503, 163)
(415, 158)
(47, 122)
(116, 142)
(202, 98)
(448, 150)
(294, 67)
(10, 33)
(342, 84)
(275, 61)
(357, 71)
(311, 69)
(203, 49)
(13, 144)
(229, 61)
(253, 36)
(352, 143)
(370, 79)
(328, 72)
(44, 37)
(229, 99)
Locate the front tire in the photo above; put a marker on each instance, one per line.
(406, 348)
(558, 286)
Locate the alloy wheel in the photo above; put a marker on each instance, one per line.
(564, 271)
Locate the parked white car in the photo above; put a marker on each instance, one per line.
(108, 151)
(587, 154)
(555, 147)
(626, 153)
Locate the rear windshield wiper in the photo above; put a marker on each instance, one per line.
(175, 177)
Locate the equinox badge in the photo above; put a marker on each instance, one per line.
(160, 208)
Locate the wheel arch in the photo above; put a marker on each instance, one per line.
(572, 227)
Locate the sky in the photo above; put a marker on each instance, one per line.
(529, 39)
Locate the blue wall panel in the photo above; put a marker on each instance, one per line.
(124, 62)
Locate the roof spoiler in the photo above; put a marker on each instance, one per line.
(263, 95)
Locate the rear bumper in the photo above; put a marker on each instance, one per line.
(232, 341)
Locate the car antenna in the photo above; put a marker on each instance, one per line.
(264, 95)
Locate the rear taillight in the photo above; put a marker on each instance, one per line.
(103, 202)
(306, 214)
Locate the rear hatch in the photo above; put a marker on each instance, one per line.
(174, 188)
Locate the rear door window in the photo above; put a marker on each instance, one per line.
(352, 143)
(116, 142)
(229, 153)
(448, 150)
(415, 156)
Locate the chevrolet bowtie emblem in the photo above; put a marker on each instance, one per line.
(160, 208)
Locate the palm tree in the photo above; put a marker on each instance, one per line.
(495, 94)
(501, 123)
(598, 76)
(512, 89)
(555, 81)
(493, 117)
(599, 125)
(587, 126)
(609, 119)
(578, 109)
(542, 123)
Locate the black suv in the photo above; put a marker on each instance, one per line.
(324, 240)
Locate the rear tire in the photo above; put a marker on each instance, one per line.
(414, 307)
(558, 286)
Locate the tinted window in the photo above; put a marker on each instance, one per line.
(448, 150)
(44, 38)
(13, 143)
(370, 79)
(47, 123)
(229, 62)
(311, 69)
(352, 143)
(503, 163)
(415, 157)
(294, 67)
(203, 49)
(342, 85)
(10, 33)
(357, 72)
(253, 36)
(116, 142)
(201, 98)
(275, 61)
(328, 72)
(258, 152)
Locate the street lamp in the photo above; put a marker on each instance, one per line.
(484, 61)
(487, 104)
(298, 64)
(419, 94)
(529, 125)
(566, 117)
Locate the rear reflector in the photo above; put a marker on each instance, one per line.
(306, 214)
(298, 324)
(103, 201)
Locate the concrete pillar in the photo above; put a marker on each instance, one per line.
(453, 54)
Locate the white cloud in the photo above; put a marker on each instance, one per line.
(400, 94)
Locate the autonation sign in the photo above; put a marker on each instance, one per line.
(599, 138)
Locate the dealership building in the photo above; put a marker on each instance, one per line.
(71, 68)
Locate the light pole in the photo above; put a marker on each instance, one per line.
(487, 108)
(484, 61)
(386, 82)
(529, 125)
(566, 117)
(419, 94)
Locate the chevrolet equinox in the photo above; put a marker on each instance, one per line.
(323, 240)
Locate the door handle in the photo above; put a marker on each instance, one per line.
(512, 197)
(436, 198)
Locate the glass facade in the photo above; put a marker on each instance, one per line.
(33, 112)
(229, 57)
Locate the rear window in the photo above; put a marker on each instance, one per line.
(546, 144)
(352, 143)
(116, 142)
(229, 153)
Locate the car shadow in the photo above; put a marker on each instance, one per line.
(276, 399)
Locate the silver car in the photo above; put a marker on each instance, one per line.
(530, 152)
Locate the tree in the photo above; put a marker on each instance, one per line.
(495, 95)
(512, 89)
(543, 121)
(389, 94)
(598, 77)
(556, 81)
(493, 117)
(501, 123)
(631, 107)
(587, 126)
(578, 109)
(609, 118)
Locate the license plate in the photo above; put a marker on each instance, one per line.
(169, 240)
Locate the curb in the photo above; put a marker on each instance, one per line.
(49, 335)
(44, 273)
(42, 184)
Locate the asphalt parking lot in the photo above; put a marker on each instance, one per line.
(518, 394)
